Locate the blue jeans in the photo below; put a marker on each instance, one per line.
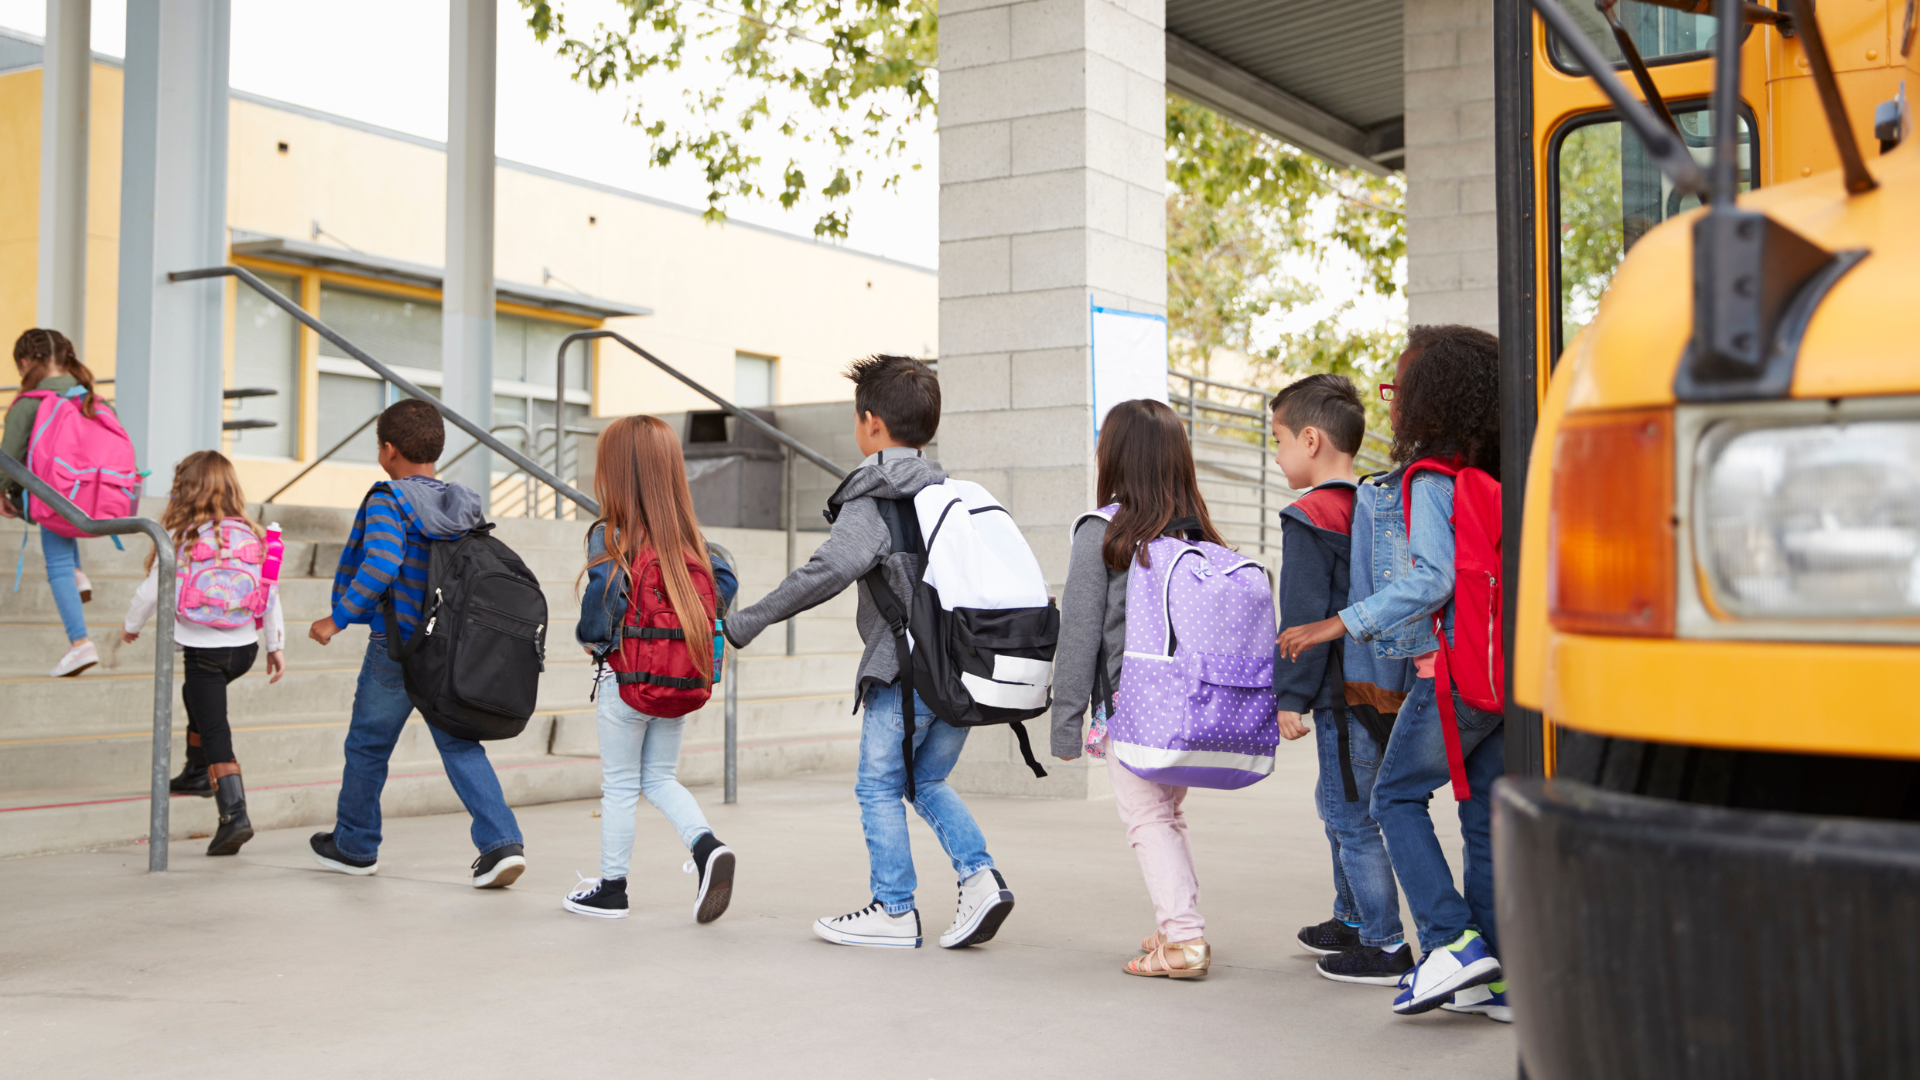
(639, 755)
(1412, 769)
(1363, 892)
(62, 555)
(881, 787)
(380, 710)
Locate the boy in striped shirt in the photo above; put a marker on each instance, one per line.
(387, 553)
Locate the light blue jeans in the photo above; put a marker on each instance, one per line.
(639, 755)
(1363, 891)
(63, 559)
(881, 787)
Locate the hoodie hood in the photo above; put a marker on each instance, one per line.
(899, 473)
(440, 510)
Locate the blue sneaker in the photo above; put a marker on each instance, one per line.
(1489, 1001)
(1444, 971)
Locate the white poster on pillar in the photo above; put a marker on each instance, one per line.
(1129, 359)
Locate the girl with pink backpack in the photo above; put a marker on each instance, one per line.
(1147, 559)
(61, 430)
(227, 570)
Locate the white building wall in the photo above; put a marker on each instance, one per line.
(1451, 259)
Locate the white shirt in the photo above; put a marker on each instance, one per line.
(146, 600)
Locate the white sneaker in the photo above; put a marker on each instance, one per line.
(86, 587)
(871, 925)
(1489, 1001)
(985, 903)
(78, 659)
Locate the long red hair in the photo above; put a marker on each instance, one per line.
(640, 479)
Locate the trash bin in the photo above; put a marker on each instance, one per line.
(733, 469)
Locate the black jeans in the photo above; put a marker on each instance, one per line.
(208, 673)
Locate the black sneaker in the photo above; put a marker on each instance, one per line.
(1367, 964)
(500, 867)
(602, 898)
(1329, 937)
(333, 859)
(713, 861)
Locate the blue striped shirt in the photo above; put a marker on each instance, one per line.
(385, 550)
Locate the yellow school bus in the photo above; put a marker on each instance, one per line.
(1707, 855)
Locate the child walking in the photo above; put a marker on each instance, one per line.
(647, 524)
(1145, 469)
(1318, 423)
(224, 604)
(1445, 405)
(896, 408)
(46, 360)
(387, 556)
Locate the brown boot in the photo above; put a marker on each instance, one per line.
(231, 797)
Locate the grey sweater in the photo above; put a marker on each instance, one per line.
(858, 543)
(1093, 627)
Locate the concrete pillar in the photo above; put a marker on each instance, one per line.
(173, 208)
(66, 80)
(1052, 197)
(1452, 262)
(466, 318)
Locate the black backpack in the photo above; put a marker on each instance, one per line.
(954, 648)
(473, 664)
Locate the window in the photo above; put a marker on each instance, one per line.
(404, 334)
(266, 356)
(1608, 193)
(753, 380)
(1662, 35)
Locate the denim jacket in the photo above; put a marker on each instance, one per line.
(1410, 582)
(603, 606)
(1363, 665)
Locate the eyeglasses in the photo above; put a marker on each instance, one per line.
(1386, 391)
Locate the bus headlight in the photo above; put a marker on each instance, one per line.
(1810, 521)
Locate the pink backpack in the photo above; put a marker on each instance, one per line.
(222, 576)
(87, 459)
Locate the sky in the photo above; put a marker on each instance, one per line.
(385, 63)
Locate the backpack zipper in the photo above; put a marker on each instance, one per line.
(1493, 601)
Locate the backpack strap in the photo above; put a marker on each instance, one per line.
(1449, 722)
(892, 610)
(1336, 674)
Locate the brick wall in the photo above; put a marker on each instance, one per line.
(1451, 260)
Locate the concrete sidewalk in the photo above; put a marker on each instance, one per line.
(264, 964)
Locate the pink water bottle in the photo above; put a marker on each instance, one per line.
(270, 570)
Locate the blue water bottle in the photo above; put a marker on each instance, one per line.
(719, 646)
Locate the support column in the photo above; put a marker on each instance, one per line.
(173, 208)
(466, 319)
(1052, 196)
(1452, 261)
(66, 81)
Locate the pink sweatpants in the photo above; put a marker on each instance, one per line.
(1158, 832)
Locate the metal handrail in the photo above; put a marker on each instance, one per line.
(157, 810)
(511, 425)
(317, 462)
(480, 434)
(767, 429)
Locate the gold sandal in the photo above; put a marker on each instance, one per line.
(1196, 956)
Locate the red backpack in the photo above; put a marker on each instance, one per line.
(654, 663)
(1476, 662)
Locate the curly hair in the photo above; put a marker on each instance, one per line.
(1449, 397)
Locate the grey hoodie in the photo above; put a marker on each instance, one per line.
(441, 510)
(858, 543)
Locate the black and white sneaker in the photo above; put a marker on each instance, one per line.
(872, 926)
(713, 861)
(500, 867)
(985, 903)
(329, 856)
(1329, 937)
(602, 898)
(1367, 964)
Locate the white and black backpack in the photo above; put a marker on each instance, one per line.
(975, 641)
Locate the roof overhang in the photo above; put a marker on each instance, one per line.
(384, 268)
(1198, 75)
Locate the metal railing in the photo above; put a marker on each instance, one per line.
(793, 447)
(1227, 428)
(158, 806)
(481, 435)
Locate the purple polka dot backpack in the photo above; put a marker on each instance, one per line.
(1195, 704)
